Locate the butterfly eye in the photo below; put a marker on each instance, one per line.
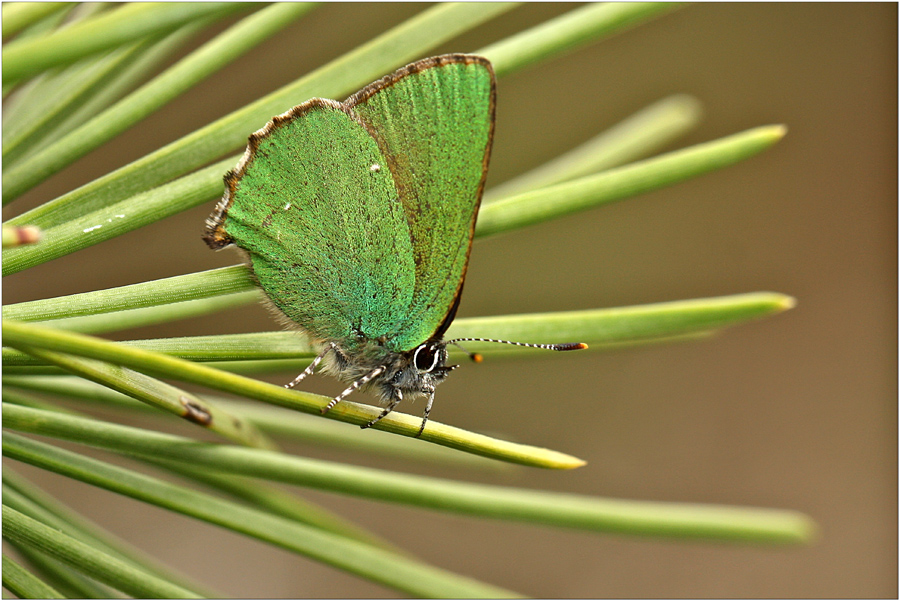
(426, 358)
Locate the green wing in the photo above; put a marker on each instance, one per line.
(434, 121)
(316, 209)
(358, 217)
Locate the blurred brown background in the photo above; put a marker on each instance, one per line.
(798, 411)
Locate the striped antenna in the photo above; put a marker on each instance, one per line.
(566, 346)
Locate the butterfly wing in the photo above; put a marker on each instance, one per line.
(316, 209)
(434, 121)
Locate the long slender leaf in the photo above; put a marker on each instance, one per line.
(161, 395)
(204, 61)
(567, 32)
(638, 136)
(28, 92)
(193, 286)
(26, 498)
(125, 216)
(17, 397)
(19, 15)
(68, 581)
(20, 495)
(56, 96)
(25, 366)
(600, 326)
(267, 497)
(390, 569)
(276, 421)
(262, 366)
(134, 318)
(547, 203)
(556, 509)
(628, 323)
(121, 83)
(102, 566)
(25, 58)
(58, 104)
(25, 585)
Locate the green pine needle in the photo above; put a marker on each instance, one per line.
(75, 75)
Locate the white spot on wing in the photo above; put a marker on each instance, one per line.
(375, 168)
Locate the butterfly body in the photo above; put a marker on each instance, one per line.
(357, 219)
(407, 375)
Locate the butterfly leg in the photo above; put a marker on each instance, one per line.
(311, 368)
(361, 382)
(425, 416)
(394, 402)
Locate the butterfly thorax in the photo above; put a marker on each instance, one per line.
(406, 374)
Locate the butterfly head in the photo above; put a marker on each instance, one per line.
(392, 375)
(428, 367)
(414, 373)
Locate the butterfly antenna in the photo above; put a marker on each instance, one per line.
(566, 346)
(475, 357)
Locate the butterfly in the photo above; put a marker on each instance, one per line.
(357, 220)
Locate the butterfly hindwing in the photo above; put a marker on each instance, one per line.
(434, 122)
(316, 209)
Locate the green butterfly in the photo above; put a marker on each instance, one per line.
(357, 219)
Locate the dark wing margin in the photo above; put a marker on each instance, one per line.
(214, 234)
